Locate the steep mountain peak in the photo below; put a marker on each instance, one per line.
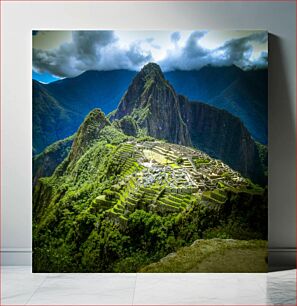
(151, 71)
(88, 132)
(95, 115)
(153, 104)
(148, 77)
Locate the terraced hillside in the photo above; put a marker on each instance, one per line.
(166, 178)
(120, 203)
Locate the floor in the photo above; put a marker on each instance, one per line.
(21, 287)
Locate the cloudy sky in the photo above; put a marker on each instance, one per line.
(60, 54)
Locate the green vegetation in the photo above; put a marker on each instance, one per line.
(105, 210)
(179, 160)
(263, 154)
(46, 162)
(87, 220)
(127, 125)
(215, 255)
(216, 196)
(139, 115)
(88, 133)
(200, 161)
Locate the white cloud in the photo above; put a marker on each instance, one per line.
(108, 50)
(193, 55)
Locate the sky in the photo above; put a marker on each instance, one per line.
(60, 54)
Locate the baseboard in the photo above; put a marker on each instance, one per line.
(278, 257)
(16, 257)
(282, 258)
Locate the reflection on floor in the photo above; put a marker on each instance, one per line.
(21, 287)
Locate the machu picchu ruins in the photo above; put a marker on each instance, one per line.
(165, 178)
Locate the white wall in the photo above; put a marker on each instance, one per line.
(19, 18)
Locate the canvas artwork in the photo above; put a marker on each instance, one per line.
(149, 151)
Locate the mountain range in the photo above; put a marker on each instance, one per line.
(59, 107)
(151, 107)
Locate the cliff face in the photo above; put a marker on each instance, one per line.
(153, 104)
(243, 93)
(222, 136)
(127, 125)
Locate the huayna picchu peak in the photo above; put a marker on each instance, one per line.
(153, 104)
(151, 71)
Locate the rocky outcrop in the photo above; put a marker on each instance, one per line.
(60, 106)
(88, 132)
(128, 125)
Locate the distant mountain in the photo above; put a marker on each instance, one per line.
(242, 93)
(51, 120)
(92, 89)
(45, 163)
(60, 107)
(159, 112)
(151, 107)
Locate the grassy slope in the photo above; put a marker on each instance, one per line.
(215, 255)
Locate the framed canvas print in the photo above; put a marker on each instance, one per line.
(150, 151)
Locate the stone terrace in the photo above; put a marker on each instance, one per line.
(165, 178)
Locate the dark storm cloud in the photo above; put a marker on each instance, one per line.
(235, 51)
(89, 50)
(102, 50)
(238, 51)
(89, 43)
(136, 55)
